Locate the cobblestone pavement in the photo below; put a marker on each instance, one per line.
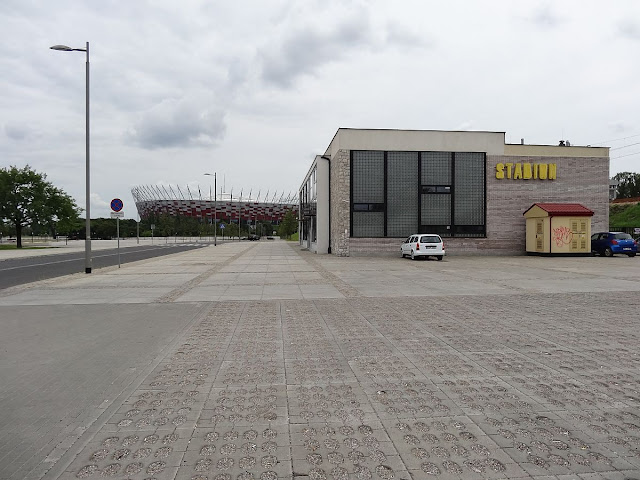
(504, 376)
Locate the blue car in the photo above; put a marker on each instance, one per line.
(609, 243)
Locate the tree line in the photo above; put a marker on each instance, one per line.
(628, 184)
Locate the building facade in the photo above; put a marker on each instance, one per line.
(373, 188)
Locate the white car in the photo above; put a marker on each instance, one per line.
(423, 245)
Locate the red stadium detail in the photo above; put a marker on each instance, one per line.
(154, 200)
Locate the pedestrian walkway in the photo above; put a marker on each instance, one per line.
(261, 361)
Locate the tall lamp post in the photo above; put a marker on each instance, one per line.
(87, 241)
(215, 209)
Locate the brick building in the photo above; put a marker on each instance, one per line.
(372, 188)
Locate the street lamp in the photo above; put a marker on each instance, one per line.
(215, 209)
(87, 241)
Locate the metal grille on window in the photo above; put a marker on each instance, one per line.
(367, 183)
(469, 194)
(436, 210)
(435, 181)
(436, 168)
(402, 193)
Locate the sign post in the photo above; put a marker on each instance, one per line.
(117, 213)
(152, 229)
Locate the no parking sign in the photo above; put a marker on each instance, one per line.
(116, 204)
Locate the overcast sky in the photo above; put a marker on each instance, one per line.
(254, 89)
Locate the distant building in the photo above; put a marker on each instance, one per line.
(613, 189)
(372, 188)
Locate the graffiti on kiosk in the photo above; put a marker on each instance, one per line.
(562, 236)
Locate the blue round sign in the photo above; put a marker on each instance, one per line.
(116, 204)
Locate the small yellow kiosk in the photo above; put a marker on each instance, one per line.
(558, 228)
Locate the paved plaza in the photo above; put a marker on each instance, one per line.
(256, 360)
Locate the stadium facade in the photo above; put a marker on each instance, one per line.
(152, 200)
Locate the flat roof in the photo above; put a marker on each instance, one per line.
(491, 142)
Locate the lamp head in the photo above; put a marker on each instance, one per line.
(63, 48)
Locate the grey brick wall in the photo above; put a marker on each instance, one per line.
(579, 180)
(340, 206)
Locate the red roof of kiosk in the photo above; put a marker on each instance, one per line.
(573, 209)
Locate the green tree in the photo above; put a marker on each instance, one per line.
(288, 226)
(628, 184)
(27, 199)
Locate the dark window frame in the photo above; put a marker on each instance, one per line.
(451, 230)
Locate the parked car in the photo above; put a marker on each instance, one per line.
(253, 237)
(423, 245)
(609, 243)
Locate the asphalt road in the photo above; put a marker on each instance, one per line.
(18, 271)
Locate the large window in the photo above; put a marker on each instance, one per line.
(367, 188)
(395, 194)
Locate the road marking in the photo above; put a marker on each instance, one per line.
(78, 259)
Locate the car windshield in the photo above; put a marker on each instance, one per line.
(622, 236)
(430, 239)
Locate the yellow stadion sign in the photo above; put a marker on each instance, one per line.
(526, 171)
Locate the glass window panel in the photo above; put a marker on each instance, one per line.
(368, 177)
(368, 224)
(436, 210)
(436, 168)
(469, 195)
(402, 193)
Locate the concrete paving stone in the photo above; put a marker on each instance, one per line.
(326, 369)
(141, 453)
(381, 368)
(359, 450)
(560, 392)
(544, 441)
(250, 372)
(441, 365)
(203, 293)
(346, 403)
(453, 445)
(239, 450)
(409, 399)
(254, 405)
(273, 292)
(488, 396)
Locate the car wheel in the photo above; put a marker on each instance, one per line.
(413, 257)
(631, 254)
(608, 252)
(440, 257)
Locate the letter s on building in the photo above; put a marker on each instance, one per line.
(500, 171)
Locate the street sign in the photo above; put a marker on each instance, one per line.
(116, 205)
(117, 214)
(153, 226)
(222, 225)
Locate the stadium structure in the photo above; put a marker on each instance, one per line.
(154, 200)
